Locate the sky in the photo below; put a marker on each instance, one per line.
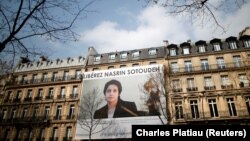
(118, 25)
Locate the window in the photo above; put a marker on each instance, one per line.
(124, 55)
(62, 93)
(24, 80)
(221, 63)
(231, 107)
(190, 82)
(122, 66)
(213, 107)
(45, 77)
(135, 65)
(42, 133)
(246, 43)
(40, 93)
(58, 112)
(244, 81)
(29, 94)
(54, 133)
(66, 75)
(4, 116)
(35, 112)
(174, 67)
(152, 51)
(75, 90)
(204, 64)
(97, 58)
(25, 112)
(50, 94)
(13, 114)
(30, 135)
(232, 45)
(176, 84)
(78, 74)
(178, 110)
(247, 99)
(54, 76)
(173, 52)
(71, 111)
(225, 80)
(194, 109)
(208, 82)
(111, 56)
(135, 54)
(34, 78)
(152, 63)
(237, 61)
(217, 47)
(95, 69)
(201, 48)
(68, 133)
(186, 50)
(19, 95)
(8, 96)
(188, 66)
(111, 67)
(46, 112)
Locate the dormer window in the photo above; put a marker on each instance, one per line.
(186, 50)
(232, 44)
(216, 47)
(111, 56)
(202, 48)
(246, 43)
(124, 55)
(172, 52)
(135, 54)
(97, 58)
(152, 51)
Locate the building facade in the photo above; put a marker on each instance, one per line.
(40, 100)
(207, 82)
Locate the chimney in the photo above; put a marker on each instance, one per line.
(189, 41)
(166, 42)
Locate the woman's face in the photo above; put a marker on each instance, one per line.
(112, 93)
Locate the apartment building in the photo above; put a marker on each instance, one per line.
(40, 100)
(206, 82)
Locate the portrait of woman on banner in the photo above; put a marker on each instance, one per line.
(115, 107)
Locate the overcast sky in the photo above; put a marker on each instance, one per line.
(117, 25)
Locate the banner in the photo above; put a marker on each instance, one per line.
(114, 100)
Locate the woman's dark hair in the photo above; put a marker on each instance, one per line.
(114, 82)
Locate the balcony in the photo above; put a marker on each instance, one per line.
(61, 96)
(40, 139)
(70, 117)
(229, 86)
(73, 96)
(67, 138)
(191, 89)
(27, 99)
(176, 90)
(49, 97)
(70, 78)
(38, 98)
(53, 139)
(57, 117)
(221, 115)
(207, 88)
(210, 68)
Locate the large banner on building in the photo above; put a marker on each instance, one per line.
(113, 100)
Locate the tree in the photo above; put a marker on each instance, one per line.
(157, 90)
(49, 19)
(90, 101)
(202, 10)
